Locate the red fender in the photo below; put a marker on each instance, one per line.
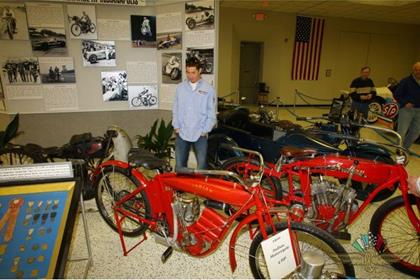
(122, 164)
(232, 242)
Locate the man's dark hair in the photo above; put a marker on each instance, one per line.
(193, 62)
(365, 68)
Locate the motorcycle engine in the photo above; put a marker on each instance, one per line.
(187, 208)
(329, 206)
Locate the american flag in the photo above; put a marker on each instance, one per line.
(307, 50)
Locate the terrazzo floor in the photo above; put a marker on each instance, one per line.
(144, 261)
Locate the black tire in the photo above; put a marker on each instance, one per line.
(211, 19)
(136, 101)
(271, 185)
(398, 235)
(191, 23)
(75, 30)
(93, 58)
(92, 28)
(175, 74)
(15, 156)
(310, 236)
(9, 29)
(152, 100)
(113, 184)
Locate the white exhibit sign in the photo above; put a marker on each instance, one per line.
(279, 255)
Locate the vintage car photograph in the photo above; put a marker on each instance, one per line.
(199, 15)
(48, 42)
(98, 53)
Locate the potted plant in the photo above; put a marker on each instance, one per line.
(159, 140)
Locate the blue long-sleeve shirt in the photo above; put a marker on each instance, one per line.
(408, 91)
(193, 111)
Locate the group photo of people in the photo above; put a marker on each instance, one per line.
(21, 71)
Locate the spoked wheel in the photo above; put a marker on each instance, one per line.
(75, 30)
(311, 239)
(245, 167)
(152, 100)
(15, 157)
(136, 101)
(112, 185)
(398, 242)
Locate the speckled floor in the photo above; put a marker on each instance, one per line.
(144, 261)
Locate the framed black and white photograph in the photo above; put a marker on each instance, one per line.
(169, 41)
(143, 97)
(114, 86)
(206, 58)
(171, 68)
(21, 70)
(98, 53)
(82, 21)
(57, 70)
(13, 24)
(143, 31)
(199, 15)
(48, 41)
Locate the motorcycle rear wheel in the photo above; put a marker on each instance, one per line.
(398, 243)
(136, 101)
(310, 238)
(152, 100)
(92, 28)
(111, 186)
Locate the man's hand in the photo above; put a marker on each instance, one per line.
(409, 105)
(204, 134)
(369, 96)
(177, 130)
(363, 97)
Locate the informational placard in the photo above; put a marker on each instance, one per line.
(279, 255)
(36, 171)
(169, 22)
(60, 97)
(142, 72)
(167, 96)
(203, 38)
(45, 15)
(113, 29)
(23, 92)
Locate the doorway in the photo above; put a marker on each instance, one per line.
(249, 70)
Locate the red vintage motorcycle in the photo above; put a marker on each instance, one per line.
(312, 184)
(184, 211)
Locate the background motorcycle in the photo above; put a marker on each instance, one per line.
(180, 209)
(173, 70)
(93, 151)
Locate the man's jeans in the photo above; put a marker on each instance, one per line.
(409, 121)
(361, 107)
(182, 151)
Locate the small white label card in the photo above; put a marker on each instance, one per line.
(279, 255)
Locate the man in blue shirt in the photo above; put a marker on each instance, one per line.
(193, 116)
(408, 96)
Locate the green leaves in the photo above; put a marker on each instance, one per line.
(159, 140)
(10, 132)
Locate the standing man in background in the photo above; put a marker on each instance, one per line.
(408, 96)
(193, 116)
(362, 91)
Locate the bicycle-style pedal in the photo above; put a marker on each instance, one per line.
(168, 252)
(343, 235)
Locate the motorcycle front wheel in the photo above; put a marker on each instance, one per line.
(397, 241)
(112, 185)
(152, 100)
(175, 74)
(75, 29)
(310, 239)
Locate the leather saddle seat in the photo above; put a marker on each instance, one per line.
(138, 157)
(290, 151)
